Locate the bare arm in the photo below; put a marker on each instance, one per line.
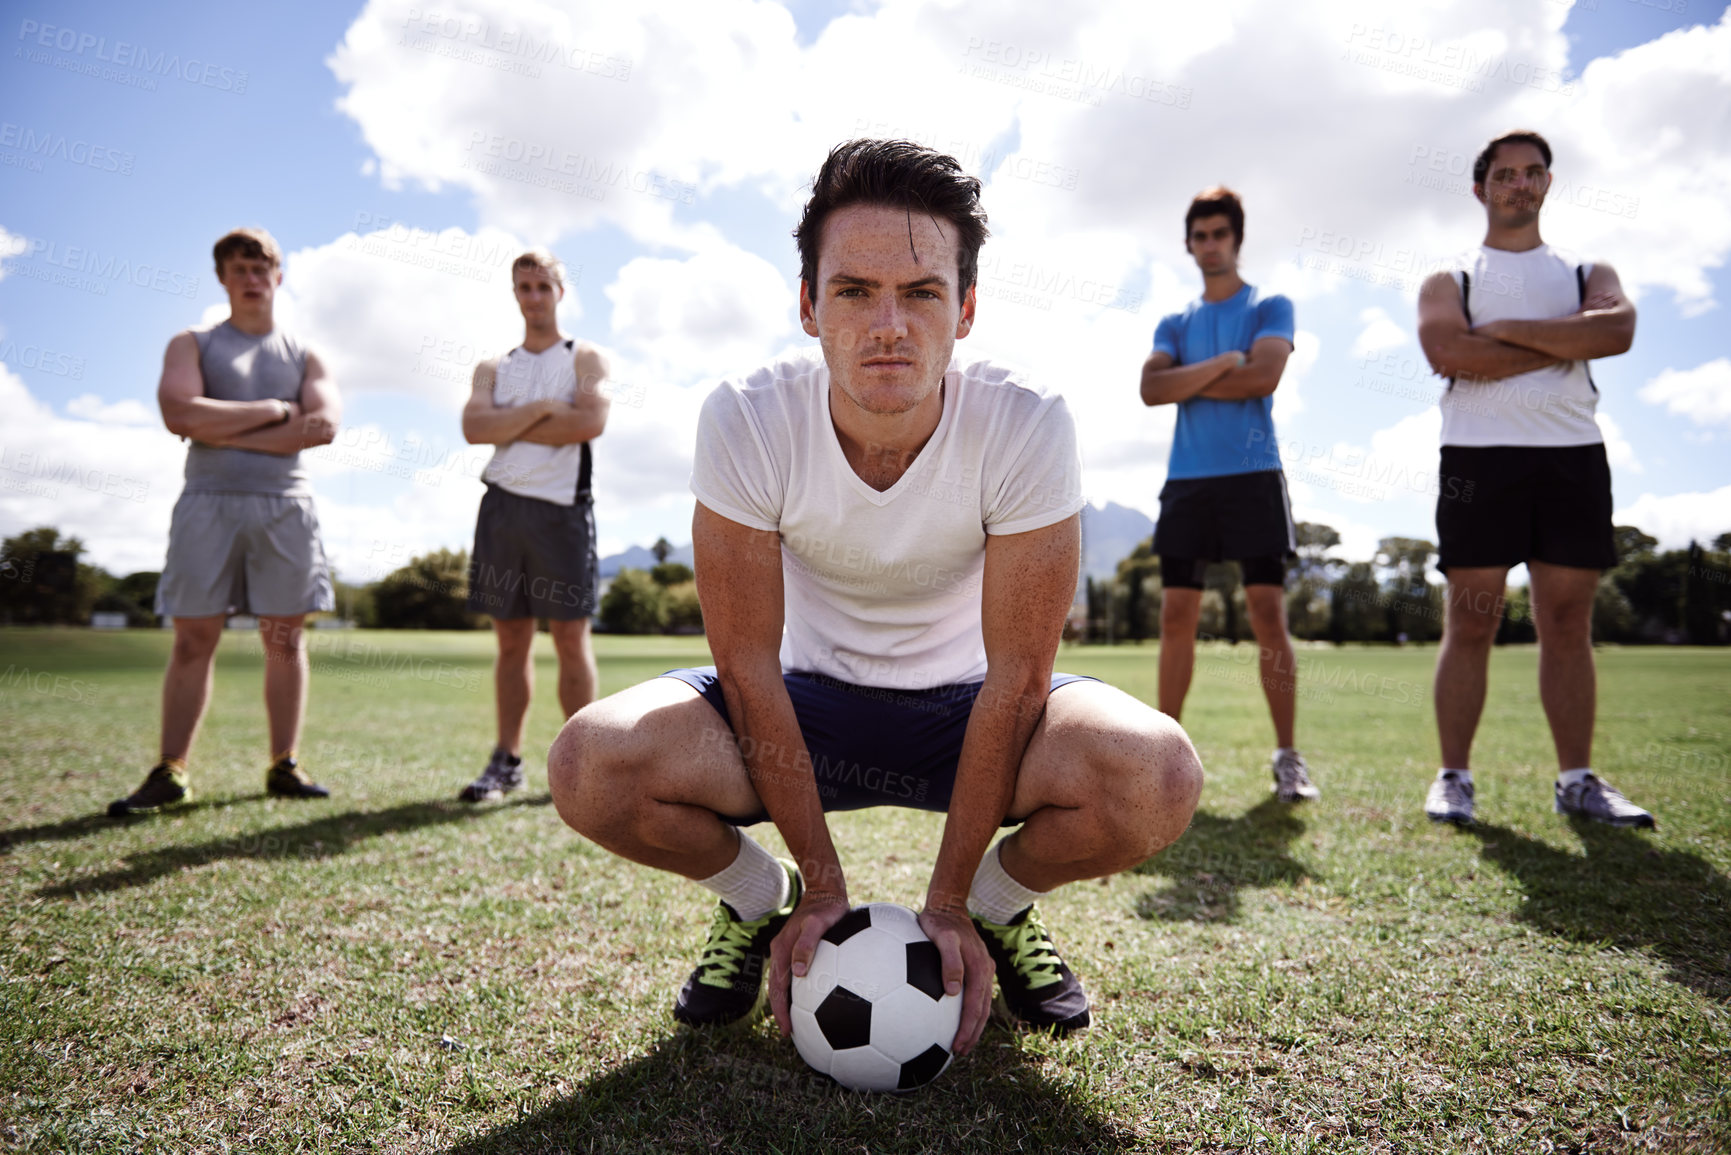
(314, 419)
(187, 412)
(584, 418)
(1604, 326)
(485, 423)
(1259, 376)
(1029, 581)
(1455, 350)
(740, 586)
(1166, 383)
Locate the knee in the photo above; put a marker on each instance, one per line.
(195, 647)
(1151, 791)
(577, 771)
(1178, 619)
(1472, 626)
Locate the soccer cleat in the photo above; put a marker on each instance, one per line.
(1037, 988)
(163, 786)
(504, 773)
(728, 980)
(1292, 777)
(1593, 797)
(1450, 799)
(286, 779)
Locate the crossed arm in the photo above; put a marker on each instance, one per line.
(1603, 327)
(1230, 376)
(258, 425)
(544, 422)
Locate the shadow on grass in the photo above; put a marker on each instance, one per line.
(1627, 892)
(746, 1091)
(1217, 857)
(320, 838)
(98, 823)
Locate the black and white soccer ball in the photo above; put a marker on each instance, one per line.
(870, 1011)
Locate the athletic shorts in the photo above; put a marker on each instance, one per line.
(1503, 505)
(244, 553)
(533, 558)
(1242, 517)
(871, 746)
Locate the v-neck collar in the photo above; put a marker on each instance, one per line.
(880, 497)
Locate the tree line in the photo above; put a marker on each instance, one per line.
(1670, 597)
(1674, 596)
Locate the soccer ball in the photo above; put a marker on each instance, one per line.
(870, 1011)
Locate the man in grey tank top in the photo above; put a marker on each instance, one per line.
(1523, 475)
(540, 405)
(244, 539)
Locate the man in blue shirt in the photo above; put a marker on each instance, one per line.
(1225, 499)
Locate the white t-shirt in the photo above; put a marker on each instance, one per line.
(1553, 406)
(883, 589)
(545, 472)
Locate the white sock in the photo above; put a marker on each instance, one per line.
(995, 896)
(753, 884)
(1464, 775)
(1567, 778)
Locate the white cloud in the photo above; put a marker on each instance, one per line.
(702, 316)
(90, 407)
(1618, 451)
(1379, 334)
(1702, 394)
(1680, 518)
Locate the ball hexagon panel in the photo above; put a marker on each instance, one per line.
(923, 1068)
(845, 1019)
(906, 1021)
(925, 968)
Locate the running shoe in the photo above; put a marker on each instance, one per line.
(1292, 777)
(1450, 799)
(1037, 988)
(1593, 797)
(286, 779)
(504, 773)
(728, 982)
(164, 786)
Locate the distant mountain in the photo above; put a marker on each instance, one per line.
(639, 557)
(1108, 536)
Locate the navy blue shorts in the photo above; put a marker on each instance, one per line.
(871, 746)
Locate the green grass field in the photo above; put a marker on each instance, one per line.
(390, 970)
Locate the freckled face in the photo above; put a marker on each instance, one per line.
(887, 308)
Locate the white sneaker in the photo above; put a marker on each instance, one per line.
(1450, 799)
(1593, 797)
(1292, 777)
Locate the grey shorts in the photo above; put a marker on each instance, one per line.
(244, 553)
(533, 558)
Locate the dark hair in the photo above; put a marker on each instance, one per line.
(1213, 202)
(249, 244)
(900, 174)
(1482, 165)
(542, 259)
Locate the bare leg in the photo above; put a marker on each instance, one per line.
(1475, 610)
(285, 679)
(513, 679)
(1180, 610)
(645, 772)
(578, 675)
(1278, 663)
(1563, 613)
(186, 685)
(1106, 783)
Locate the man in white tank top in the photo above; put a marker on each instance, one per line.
(540, 405)
(245, 537)
(887, 545)
(1524, 474)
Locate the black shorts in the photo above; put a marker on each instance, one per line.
(533, 559)
(1504, 505)
(1242, 517)
(870, 746)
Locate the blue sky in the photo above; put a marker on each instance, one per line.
(387, 148)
